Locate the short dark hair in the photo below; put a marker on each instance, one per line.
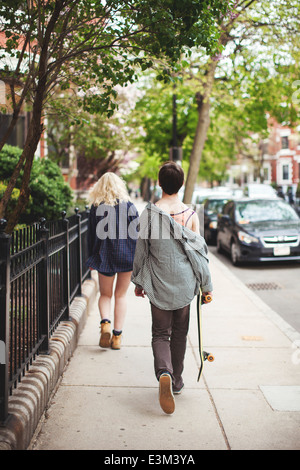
(171, 177)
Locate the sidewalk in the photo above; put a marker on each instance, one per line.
(249, 398)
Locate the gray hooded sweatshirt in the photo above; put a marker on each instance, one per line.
(170, 262)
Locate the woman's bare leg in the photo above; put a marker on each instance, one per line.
(106, 293)
(123, 282)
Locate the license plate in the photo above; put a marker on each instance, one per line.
(282, 251)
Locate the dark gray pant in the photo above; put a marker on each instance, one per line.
(169, 337)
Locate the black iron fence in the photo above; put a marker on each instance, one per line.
(42, 268)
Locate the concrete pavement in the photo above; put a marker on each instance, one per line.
(249, 398)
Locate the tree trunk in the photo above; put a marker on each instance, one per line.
(12, 183)
(32, 140)
(34, 135)
(203, 100)
(34, 132)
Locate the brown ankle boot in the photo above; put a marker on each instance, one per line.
(105, 337)
(116, 342)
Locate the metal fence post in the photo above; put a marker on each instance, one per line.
(44, 290)
(79, 292)
(87, 210)
(66, 266)
(5, 241)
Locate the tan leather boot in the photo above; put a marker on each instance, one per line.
(116, 342)
(105, 337)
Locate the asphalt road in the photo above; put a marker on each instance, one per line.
(277, 284)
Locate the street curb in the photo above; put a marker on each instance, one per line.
(284, 327)
(30, 399)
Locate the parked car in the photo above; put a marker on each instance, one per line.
(259, 230)
(222, 191)
(257, 191)
(200, 194)
(212, 207)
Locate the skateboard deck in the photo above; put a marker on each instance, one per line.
(204, 356)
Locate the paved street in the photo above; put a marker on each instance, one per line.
(281, 285)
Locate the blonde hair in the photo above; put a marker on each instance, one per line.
(109, 189)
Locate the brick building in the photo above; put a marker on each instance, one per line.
(275, 160)
(282, 159)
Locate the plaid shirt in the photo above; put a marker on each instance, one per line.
(111, 241)
(169, 269)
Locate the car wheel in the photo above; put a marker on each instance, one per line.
(234, 254)
(219, 246)
(207, 236)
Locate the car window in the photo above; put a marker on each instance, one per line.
(214, 206)
(260, 190)
(231, 210)
(226, 208)
(257, 211)
(200, 199)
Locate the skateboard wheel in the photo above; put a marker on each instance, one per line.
(210, 358)
(206, 299)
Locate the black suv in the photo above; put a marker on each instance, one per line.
(259, 230)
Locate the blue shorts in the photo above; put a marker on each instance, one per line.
(108, 274)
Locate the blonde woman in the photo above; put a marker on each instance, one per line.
(112, 235)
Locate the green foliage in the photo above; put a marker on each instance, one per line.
(256, 78)
(150, 166)
(110, 41)
(9, 156)
(153, 118)
(49, 194)
(154, 113)
(88, 48)
(13, 200)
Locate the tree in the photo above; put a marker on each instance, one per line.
(99, 143)
(238, 104)
(92, 46)
(258, 27)
(49, 194)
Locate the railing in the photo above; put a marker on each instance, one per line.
(42, 268)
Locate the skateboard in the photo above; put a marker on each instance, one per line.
(204, 356)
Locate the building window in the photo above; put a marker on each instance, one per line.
(285, 142)
(286, 172)
(256, 174)
(17, 136)
(266, 174)
(65, 161)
